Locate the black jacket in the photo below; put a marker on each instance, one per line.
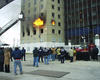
(35, 52)
(40, 52)
(1, 56)
(16, 54)
(63, 52)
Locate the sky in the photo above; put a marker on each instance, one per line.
(7, 13)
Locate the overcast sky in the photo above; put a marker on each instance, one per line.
(7, 13)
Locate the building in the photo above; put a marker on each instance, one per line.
(4, 2)
(82, 20)
(51, 33)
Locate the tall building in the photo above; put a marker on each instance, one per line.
(4, 2)
(82, 20)
(51, 32)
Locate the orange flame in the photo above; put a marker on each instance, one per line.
(53, 22)
(38, 22)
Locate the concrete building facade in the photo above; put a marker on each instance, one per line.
(51, 12)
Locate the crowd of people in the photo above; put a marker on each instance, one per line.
(7, 54)
(42, 54)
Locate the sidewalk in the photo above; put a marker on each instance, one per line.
(79, 70)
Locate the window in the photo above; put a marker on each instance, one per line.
(28, 31)
(58, 8)
(41, 30)
(23, 34)
(29, 4)
(34, 31)
(52, 6)
(28, 11)
(41, 0)
(53, 31)
(41, 14)
(58, 16)
(34, 16)
(59, 31)
(34, 9)
(59, 24)
(53, 15)
(35, 1)
(59, 1)
(41, 7)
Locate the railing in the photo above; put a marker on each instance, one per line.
(8, 25)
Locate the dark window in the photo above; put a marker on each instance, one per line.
(52, 6)
(53, 15)
(41, 7)
(59, 24)
(28, 31)
(29, 4)
(28, 11)
(34, 9)
(41, 14)
(58, 16)
(34, 1)
(34, 16)
(59, 1)
(34, 31)
(59, 31)
(41, 30)
(53, 31)
(58, 8)
(23, 34)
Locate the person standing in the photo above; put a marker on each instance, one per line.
(71, 54)
(17, 55)
(40, 54)
(1, 60)
(58, 54)
(24, 53)
(46, 57)
(95, 53)
(11, 53)
(36, 57)
(74, 54)
(62, 51)
(53, 54)
(7, 60)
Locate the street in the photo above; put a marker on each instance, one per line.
(79, 70)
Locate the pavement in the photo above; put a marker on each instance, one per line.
(79, 70)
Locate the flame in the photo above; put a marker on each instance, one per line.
(38, 22)
(53, 22)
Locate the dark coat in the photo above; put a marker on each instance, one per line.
(94, 53)
(35, 52)
(63, 52)
(1, 56)
(23, 52)
(40, 52)
(16, 54)
(45, 52)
